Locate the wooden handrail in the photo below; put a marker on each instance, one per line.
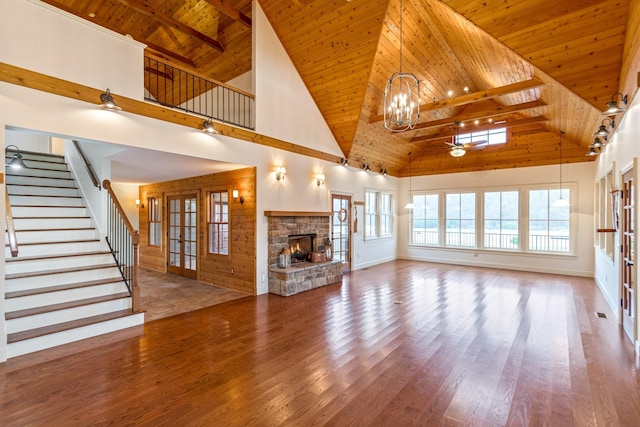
(92, 173)
(11, 229)
(135, 241)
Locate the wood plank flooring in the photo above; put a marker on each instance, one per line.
(400, 344)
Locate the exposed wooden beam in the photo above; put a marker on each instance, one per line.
(480, 115)
(507, 124)
(165, 19)
(162, 53)
(230, 12)
(471, 98)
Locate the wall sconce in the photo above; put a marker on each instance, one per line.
(139, 205)
(602, 130)
(108, 103)
(207, 127)
(280, 173)
(344, 162)
(613, 107)
(592, 151)
(319, 179)
(16, 161)
(236, 197)
(596, 143)
(383, 172)
(365, 167)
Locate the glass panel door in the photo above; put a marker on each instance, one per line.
(628, 261)
(341, 229)
(183, 231)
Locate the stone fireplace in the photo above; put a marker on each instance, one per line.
(304, 232)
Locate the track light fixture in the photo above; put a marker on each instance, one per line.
(16, 161)
(592, 151)
(383, 172)
(597, 143)
(108, 103)
(344, 162)
(365, 167)
(613, 106)
(207, 127)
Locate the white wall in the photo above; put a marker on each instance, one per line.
(622, 148)
(581, 264)
(37, 142)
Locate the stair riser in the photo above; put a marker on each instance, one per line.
(41, 191)
(38, 164)
(28, 283)
(43, 236)
(50, 223)
(37, 156)
(67, 315)
(48, 298)
(40, 172)
(52, 340)
(14, 267)
(28, 180)
(29, 211)
(57, 249)
(45, 201)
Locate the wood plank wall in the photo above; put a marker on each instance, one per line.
(235, 271)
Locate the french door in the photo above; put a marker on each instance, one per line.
(628, 285)
(183, 231)
(341, 229)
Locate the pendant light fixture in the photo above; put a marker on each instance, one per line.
(401, 97)
(560, 202)
(410, 204)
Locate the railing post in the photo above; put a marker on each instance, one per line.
(135, 289)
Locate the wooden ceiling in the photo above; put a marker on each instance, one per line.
(541, 66)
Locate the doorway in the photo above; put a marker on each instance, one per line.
(341, 229)
(628, 284)
(183, 231)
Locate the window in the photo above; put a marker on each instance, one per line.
(155, 235)
(218, 222)
(378, 214)
(548, 224)
(460, 219)
(501, 220)
(425, 224)
(487, 137)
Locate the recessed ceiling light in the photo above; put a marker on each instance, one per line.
(92, 15)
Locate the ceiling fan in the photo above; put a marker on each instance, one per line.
(457, 148)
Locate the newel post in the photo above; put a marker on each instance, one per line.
(135, 290)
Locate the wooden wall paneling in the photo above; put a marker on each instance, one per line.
(235, 270)
(629, 76)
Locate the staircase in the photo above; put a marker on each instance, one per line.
(64, 285)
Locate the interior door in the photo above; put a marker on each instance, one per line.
(183, 222)
(628, 247)
(341, 229)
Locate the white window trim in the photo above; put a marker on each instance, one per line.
(378, 223)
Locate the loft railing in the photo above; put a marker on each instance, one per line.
(123, 241)
(11, 229)
(177, 88)
(92, 173)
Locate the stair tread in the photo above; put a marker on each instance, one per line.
(85, 284)
(46, 195)
(55, 243)
(51, 217)
(58, 271)
(36, 153)
(42, 257)
(38, 176)
(55, 229)
(64, 305)
(9, 184)
(60, 327)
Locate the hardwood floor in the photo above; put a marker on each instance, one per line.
(404, 343)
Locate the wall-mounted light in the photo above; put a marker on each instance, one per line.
(602, 130)
(597, 143)
(613, 107)
(344, 162)
(16, 161)
(139, 205)
(280, 173)
(319, 179)
(365, 167)
(383, 172)
(237, 198)
(592, 151)
(108, 103)
(207, 127)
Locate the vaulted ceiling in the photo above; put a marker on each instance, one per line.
(540, 67)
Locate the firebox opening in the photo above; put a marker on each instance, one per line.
(301, 246)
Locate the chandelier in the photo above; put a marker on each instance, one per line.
(401, 97)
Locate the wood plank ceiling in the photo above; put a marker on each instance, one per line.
(541, 66)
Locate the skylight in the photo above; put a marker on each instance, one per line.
(487, 137)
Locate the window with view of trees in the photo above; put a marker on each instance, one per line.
(155, 235)
(218, 222)
(425, 221)
(548, 224)
(501, 210)
(460, 211)
(378, 214)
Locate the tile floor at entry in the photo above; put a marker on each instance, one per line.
(163, 295)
